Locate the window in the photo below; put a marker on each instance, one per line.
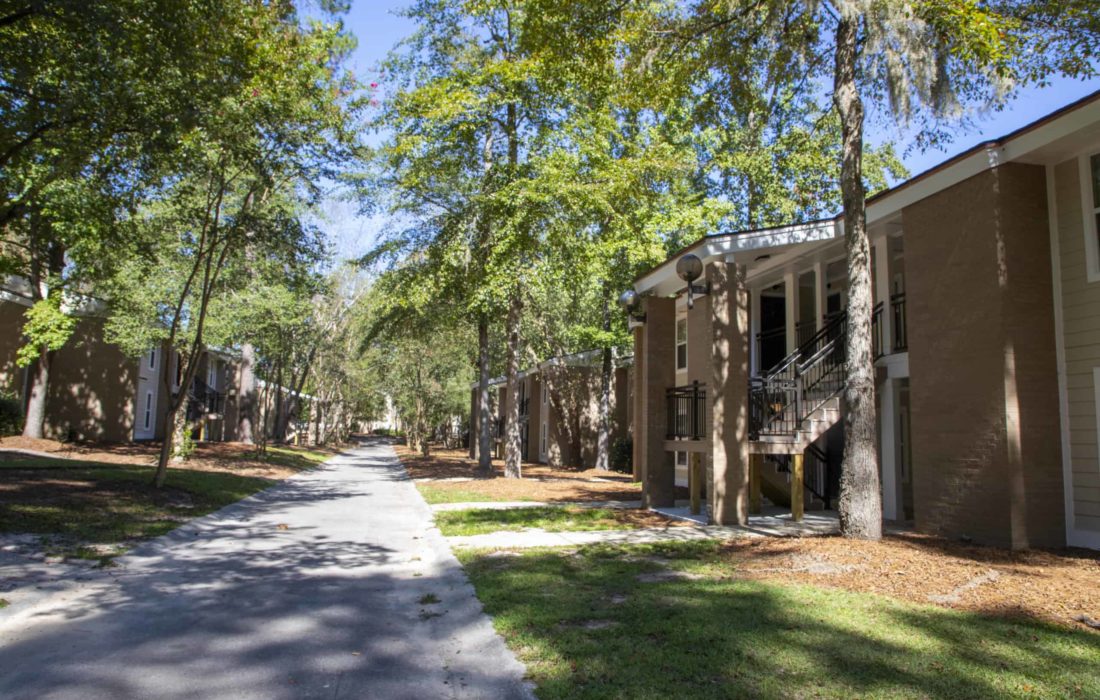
(545, 395)
(212, 374)
(1090, 211)
(681, 459)
(148, 409)
(681, 344)
(153, 358)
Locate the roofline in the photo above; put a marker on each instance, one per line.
(954, 160)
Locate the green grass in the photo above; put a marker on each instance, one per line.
(433, 494)
(295, 458)
(3, 603)
(551, 518)
(587, 628)
(108, 504)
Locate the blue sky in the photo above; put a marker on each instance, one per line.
(378, 29)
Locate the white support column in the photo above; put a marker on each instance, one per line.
(790, 298)
(820, 294)
(892, 506)
(754, 330)
(882, 293)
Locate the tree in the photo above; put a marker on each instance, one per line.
(237, 188)
(92, 95)
(920, 60)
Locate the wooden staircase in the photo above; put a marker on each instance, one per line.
(791, 408)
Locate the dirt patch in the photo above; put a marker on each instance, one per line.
(453, 470)
(232, 457)
(1054, 585)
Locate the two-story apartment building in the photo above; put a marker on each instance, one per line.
(559, 404)
(986, 277)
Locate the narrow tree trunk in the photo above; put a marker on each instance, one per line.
(276, 436)
(513, 443)
(603, 433)
(860, 500)
(484, 440)
(35, 420)
(246, 394)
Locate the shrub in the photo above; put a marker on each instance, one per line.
(622, 455)
(11, 414)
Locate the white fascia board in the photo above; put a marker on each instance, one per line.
(664, 281)
(15, 298)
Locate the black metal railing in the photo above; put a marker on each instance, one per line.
(781, 399)
(204, 400)
(686, 412)
(804, 331)
(876, 332)
(901, 339)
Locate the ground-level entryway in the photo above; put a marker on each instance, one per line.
(333, 584)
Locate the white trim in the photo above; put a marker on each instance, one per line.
(1074, 537)
(1088, 215)
(680, 319)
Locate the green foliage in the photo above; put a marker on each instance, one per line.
(185, 447)
(46, 327)
(11, 414)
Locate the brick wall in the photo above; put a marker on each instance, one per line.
(983, 391)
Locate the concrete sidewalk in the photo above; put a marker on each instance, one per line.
(322, 586)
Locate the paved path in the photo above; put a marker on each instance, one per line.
(310, 589)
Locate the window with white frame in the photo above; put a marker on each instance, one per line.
(681, 343)
(1090, 211)
(212, 374)
(153, 358)
(148, 420)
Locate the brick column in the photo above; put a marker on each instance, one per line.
(655, 372)
(728, 394)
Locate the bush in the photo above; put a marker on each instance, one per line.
(11, 414)
(622, 455)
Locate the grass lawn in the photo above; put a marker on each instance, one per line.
(551, 518)
(295, 458)
(109, 503)
(434, 494)
(588, 627)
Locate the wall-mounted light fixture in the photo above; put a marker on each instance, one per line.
(630, 303)
(690, 268)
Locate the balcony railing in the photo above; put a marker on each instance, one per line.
(901, 340)
(203, 400)
(687, 412)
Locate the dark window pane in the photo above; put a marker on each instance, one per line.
(1095, 162)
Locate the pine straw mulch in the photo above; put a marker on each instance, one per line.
(233, 457)
(454, 470)
(1055, 585)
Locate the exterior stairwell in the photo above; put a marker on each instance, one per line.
(791, 408)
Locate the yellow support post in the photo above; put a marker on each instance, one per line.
(797, 487)
(695, 481)
(754, 483)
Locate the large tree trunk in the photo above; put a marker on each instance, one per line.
(484, 439)
(246, 401)
(860, 501)
(35, 420)
(603, 432)
(513, 442)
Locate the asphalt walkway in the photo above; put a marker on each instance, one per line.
(320, 587)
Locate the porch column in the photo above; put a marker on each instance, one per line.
(790, 318)
(655, 375)
(892, 507)
(754, 330)
(882, 293)
(728, 395)
(820, 295)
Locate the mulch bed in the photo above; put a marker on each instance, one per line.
(444, 468)
(1059, 586)
(233, 457)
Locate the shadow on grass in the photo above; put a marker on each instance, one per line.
(588, 628)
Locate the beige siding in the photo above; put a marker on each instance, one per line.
(1080, 305)
(11, 326)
